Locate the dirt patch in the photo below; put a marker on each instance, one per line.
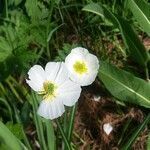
(96, 109)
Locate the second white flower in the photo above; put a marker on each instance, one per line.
(82, 65)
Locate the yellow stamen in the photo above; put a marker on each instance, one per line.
(80, 67)
(49, 90)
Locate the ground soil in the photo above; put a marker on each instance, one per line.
(95, 108)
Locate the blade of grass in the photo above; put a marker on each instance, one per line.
(38, 123)
(65, 127)
(6, 8)
(52, 31)
(14, 90)
(71, 120)
(147, 73)
(8, 107)
(124, 130)
(148, 142)
(49, 38)
(79, 138)
(63, 135)
(139, 129)
(25, 139)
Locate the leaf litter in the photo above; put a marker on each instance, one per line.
(91, 115)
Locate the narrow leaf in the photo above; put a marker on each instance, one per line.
(135, 48)
(141, 12)
(148, 142)
(135, 134)
(51, 139)
(52, 31)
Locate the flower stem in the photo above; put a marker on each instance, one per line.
(72, 115)
(51, 139)
(6, 9)
(38, 123)
(147, 73)
(63, 135)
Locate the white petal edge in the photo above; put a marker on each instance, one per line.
(56, 72)
(52, 69)
(35, 85)
(69, 92)
(84, 80)
(36, 77)
(92, 62)
(51, 109)
(80, 50)
(63, 75)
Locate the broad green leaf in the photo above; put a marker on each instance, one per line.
(32, 9)
(101, 11)
(36, 10)
(94, 8)
(135, 48)
(141, 12)
(5, 49)
(8, 138)
(16, 129)
(124, 85)
(17, 2)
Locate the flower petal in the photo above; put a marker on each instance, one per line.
(92, 62)
(36, 77)
(69, 92)
(56, 72)
(52, 69)
(80, 50)
(63, 75)
(85, 79)
(51, 109)
(35, 85)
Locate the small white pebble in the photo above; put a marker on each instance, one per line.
(96, 98)
(107, 128)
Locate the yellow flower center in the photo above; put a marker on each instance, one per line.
(49, 90)
(80, 67)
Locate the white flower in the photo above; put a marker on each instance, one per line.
(54, 85)
(107, 127)
(83, 66)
